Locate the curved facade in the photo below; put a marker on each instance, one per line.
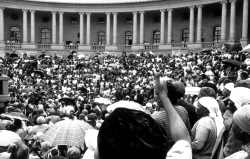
(125, 25)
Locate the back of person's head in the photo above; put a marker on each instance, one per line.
(172, 93)
(211, 85)
(131, 134)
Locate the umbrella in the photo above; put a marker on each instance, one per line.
(33, 57)
(13, 89)
(39, 73)
(247, 48)
(103, 100)
(192, 90)
(41, 56)
(13, 55)
(40, 85)
(67, 132)
(8, 137)
(131, 56)
(68, 100)
(87, 76)
(70, 57)
(27, 90)
(126, 104)
(231, 62)
(17, 115)
(79, 66)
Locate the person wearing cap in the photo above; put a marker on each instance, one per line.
(207, 128)
(181, 102)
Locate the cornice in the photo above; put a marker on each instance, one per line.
(103, 8)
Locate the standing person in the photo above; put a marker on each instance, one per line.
(161, 116)
(241, 131)
(207, 128)
(181, 102)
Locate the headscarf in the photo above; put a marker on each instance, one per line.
(214, 111)
(40, 120)
(242, 118)
(91, 143)
(239, 96)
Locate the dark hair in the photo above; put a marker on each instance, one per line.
(123, 135)
(172, 93)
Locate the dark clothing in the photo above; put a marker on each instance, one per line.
(190, 109)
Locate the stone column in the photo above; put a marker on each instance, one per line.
(61, 27)
(53, 27)
(134, 28)
(199, 24)
(142, 27)
(114, 28)
(81, 27)
(32, 26)
(191, 24)
(232, 20)
(162, 26)
(108, 29)
(224, 21)
(25, 27)
(245, 21)
(1, 24)
(88, 28)
(170, 26)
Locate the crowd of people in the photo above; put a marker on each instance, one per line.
(133, 106)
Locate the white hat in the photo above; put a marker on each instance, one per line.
(229, 86)
(149, 105)
(239, 96)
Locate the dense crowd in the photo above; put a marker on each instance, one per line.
(134, 106)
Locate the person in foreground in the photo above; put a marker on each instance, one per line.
(241, 130)
(133, 134)
(16, 150)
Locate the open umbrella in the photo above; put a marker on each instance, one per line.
(79, 66)
(70, 57)
(40, 85)
(68, 101)
(32, 57)
(27, 90)
(102, 100)
(39, 73)
(87, 76)
(13, 55)
(231, 62)
(67, 132)
(126, 104)
(132, 56)
(41, 56)
(8, 137)
(13, 89)
(17, 115)
(192, 90)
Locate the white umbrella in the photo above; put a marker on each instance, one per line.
(7, 137)
(247, 48)
(192, 90)
(127, 104)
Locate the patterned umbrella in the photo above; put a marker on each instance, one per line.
(67, 132)
(17, 115)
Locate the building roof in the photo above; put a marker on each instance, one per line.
(92, 1)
